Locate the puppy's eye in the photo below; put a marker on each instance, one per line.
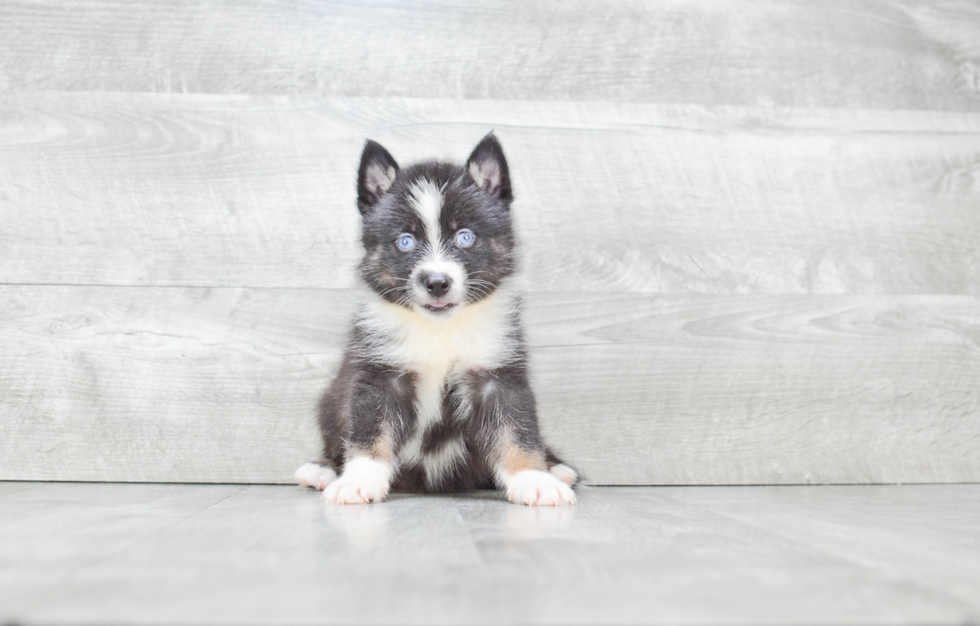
(405, 243)
(465, 238)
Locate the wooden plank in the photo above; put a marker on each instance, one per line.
(914, 54)
(258, 192)
(162, 385)
(219, 385)
(761, 389)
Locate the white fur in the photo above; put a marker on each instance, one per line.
(478, 337)
(438, 464)
(564, 473)
(364, 481)
(314, 475)
(537, 488)
(435, 465)
(429, 387)
(410, 452)
(426, 198)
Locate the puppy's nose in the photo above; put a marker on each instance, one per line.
(437, 284)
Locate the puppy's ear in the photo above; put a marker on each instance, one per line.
(375, 175)
(488, 167)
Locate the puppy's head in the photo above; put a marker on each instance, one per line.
(437, 237)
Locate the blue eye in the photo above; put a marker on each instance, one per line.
(465, 238)
(405, 243)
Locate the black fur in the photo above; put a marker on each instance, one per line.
(491, 258)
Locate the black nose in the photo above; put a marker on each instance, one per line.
(437, 284)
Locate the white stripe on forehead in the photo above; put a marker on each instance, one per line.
(426, 198)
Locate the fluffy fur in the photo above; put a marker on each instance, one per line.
(433, 392)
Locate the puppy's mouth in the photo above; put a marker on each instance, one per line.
(438, 307)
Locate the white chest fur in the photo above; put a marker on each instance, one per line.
(438, 352)
(478, 336)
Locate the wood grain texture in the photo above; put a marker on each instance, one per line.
(160, 385)
(124, 189)
(873, 54)
(751, 229)
(202, 385)
(260, 554)
(780, 390)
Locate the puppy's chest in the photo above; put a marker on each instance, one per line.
(441, 355)
(441, 364)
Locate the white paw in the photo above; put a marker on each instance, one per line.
(364, 481)
(564, 473)
(314, 475)
(537, 488)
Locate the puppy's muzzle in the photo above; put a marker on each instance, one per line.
(436, 285)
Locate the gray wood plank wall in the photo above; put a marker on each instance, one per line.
(752, 230)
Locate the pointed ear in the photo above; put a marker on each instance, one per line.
(375, 175)
(488, 167)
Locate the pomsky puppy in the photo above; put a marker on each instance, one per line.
(433, 392)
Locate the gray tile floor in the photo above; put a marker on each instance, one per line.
(230, 554)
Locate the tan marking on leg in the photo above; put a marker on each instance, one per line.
(524, 476)
(378, 452)
(516, 459)
(383, 448)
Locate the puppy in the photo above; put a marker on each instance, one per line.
(433, 393)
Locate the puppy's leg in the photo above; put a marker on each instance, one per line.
(367, 472)
(334, 427)
(380, 408)
(366, 479)
(526, 479)
(506, 419)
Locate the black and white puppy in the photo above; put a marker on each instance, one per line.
(433, 392)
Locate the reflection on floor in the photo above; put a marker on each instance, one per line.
(210, 554)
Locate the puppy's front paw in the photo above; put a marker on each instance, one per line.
(347, 492)
(315, 475)
(364, 481)
(537, 488)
